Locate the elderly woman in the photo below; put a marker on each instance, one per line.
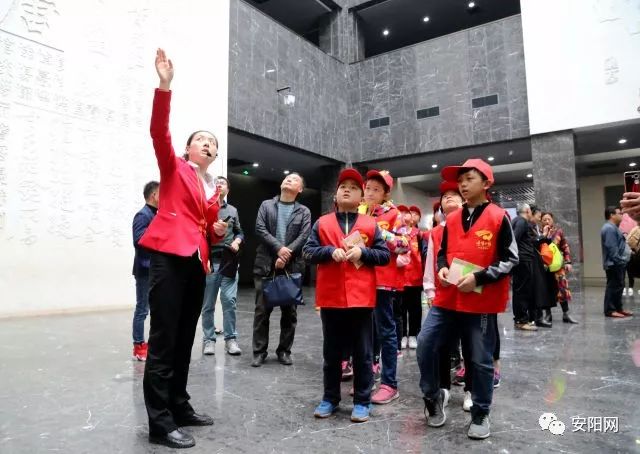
(556, 235)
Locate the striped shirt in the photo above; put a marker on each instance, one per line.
(284, 213)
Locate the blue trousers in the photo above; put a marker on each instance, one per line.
(478, 335)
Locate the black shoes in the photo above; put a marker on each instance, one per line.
(178, 439)
(258, 359)
(285, 359)
(566, 318)
(195, 420)
(542, 323)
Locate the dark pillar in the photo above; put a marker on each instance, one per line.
(556, 190)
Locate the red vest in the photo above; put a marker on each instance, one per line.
(390, 275)
(342, 285)
(436, 238)
(479, 246)
(413, 271)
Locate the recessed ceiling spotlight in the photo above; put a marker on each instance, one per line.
(632, 164)
(425, 19)
(529, 175)
(385, 32)
(622, 141)
(471, 5)
(434, 166)
(490, 158)
(255, 164)
(286, 172)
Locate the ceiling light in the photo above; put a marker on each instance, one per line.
(270, 71)
(472, 5)
(529, 175)
(385, 32)
(632, 164)
(434, 166)
(490, 158)
(286, 172)
(425, 19)
(255, 164)
(622, 141)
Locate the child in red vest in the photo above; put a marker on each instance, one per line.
(412, 295)
(479, 233)
(346, 246)
(389, 280)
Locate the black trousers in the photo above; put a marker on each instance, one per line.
(343, 329)
(176, 291)
(524, 302)
(615, 287)
(411, 311)
(288, 322)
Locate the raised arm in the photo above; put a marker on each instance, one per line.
(160, 134)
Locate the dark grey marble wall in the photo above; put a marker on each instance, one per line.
(556, 190)
(342, 37)
(446, 72)
(265, 56)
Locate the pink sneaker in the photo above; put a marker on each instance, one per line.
(384, 395)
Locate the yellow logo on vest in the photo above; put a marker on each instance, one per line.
(484, 239)
(384, 225)
(365, 238)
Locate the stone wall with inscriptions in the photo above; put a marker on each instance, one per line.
(76, 84)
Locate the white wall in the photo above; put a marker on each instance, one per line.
(76, 83)
(582, 62)
(592, 205)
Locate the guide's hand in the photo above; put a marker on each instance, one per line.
(164, 68)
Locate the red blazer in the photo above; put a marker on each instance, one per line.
(185, 217)
(342, 285)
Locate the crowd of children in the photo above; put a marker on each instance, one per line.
(373, 266)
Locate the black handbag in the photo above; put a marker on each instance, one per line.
(229, 263)
(282, 290)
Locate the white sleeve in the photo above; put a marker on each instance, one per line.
(428, 280)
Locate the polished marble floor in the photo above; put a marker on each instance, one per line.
(67, 384)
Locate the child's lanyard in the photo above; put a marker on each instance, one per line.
(346, 229)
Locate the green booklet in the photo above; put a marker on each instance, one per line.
(460, 268)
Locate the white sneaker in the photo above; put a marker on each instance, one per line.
(209, 347)
(413, 342)
(467, 403)
(624, 292)
(447, 395)
(630, 292)
(403, 342)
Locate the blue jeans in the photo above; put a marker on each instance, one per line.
(142, 308)
(228, 288)
(478, 335)
(386, 334)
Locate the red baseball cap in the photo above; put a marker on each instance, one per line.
(415, 209)
(403, 208)
(350, 174)
(383, 175)
(448, 186)
(451, 173)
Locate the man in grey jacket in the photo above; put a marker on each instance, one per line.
(614, 261)
(282, 227)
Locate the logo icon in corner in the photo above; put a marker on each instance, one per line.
(550, 422)
(485, 235)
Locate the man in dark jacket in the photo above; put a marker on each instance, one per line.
(141, 221)
(615, 256)
(282, 226)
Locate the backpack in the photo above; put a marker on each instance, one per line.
(558, 261)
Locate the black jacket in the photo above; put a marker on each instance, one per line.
(141, 221)
(298, 231)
